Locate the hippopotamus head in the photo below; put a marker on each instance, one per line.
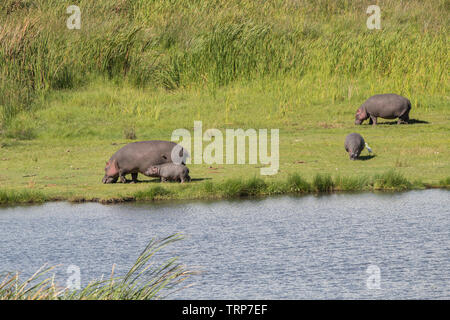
(360, 115)
(153, 171)
(111, 172)
(353, 156)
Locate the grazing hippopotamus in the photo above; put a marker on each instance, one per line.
(169, 171)
(138, 157)
(354, 144)
(387, 106)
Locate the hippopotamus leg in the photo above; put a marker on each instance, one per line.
(183, 179)
(122, 174)
(134, 176)
(403, 119)
(373, 120)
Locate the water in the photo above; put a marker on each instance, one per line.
(279, 248)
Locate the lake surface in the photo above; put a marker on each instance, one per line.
(339, 246)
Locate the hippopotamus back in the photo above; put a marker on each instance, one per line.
(354, 144)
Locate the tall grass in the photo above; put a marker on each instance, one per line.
(292, 184)
(296, 184)
(445, 182)
(143, 281)
(322, 183)
(22, 196)
(182, 43)
(351, 183)
(153, 193)
(391, 180)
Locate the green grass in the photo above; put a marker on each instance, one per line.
(445, 182)
(137, 70)
(296, 184)
(144, 281)
(391, 180)
(22, 196)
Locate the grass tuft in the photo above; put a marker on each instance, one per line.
(322, 183)
(22, 196)
(445, 182)
(153, 193)
(391, 180)
(295, 183)
(351, 183)
(129, 133)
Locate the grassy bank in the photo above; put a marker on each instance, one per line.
(137, 70)
(144, 281)
(237, 188)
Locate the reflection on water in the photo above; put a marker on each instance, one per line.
(278, 248)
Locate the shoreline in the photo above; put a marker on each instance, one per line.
(252, 188)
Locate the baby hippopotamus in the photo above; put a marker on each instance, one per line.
(354, 144)
(169, 172)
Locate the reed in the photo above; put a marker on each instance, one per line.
(144, 281)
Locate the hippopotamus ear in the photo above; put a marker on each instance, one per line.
(111, 168)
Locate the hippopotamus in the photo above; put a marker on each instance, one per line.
(354, 144)
(139, 156)
(169, 171)
(387, 106)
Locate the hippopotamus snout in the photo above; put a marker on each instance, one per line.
(108, 179)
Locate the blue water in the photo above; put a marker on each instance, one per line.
(311, 247)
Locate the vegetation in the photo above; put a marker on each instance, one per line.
(143, 281)
(138, 69)
(21, 196)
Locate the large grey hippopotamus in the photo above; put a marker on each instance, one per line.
(139, 156)
(354, 144)
(387, 106)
